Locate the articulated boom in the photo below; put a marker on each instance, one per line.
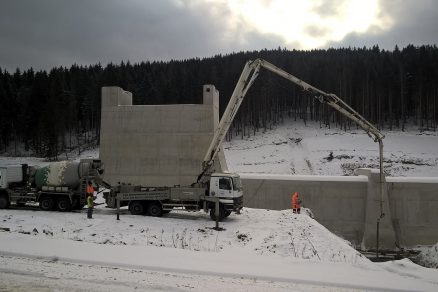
(248, 76)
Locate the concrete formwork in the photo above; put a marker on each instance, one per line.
(156, 145)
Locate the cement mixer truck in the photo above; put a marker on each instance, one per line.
(57, 186)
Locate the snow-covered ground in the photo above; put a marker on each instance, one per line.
(295, 148)
(428, 257)
(259, 250)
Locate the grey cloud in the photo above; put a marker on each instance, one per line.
(47, 33)
(328, 8)
(316, 31)
(414, 22)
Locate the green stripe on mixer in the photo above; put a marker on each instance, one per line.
(41, 176)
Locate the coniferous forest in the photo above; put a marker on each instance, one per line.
(48, 113)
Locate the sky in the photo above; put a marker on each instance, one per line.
(45, 33)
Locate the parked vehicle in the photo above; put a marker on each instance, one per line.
(59, 185)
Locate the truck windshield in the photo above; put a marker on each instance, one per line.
(237, 184)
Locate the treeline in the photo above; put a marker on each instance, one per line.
(47, 113)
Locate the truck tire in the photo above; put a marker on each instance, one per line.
(155, 209)
(227, 213)
(47, 203)
(221, 213)
(136, 208)
(64, 205)
(76, 204)
(4, 201)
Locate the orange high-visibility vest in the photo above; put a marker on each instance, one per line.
(295, 203)
(90, 189)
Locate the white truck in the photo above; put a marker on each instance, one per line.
(59, 185)
(225, 189)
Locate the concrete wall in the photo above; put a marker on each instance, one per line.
(414, 208)
(349, 206)
(156, 145)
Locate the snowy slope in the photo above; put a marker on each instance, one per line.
(295, 148)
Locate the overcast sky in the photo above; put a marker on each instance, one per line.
(47, 33)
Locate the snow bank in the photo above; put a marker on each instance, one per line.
(255, 232)
(428, 257)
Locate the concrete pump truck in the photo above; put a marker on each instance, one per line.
(224, 188)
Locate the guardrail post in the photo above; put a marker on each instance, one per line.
(118, 208)
(216, 213)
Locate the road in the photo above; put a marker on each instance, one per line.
(18, 273)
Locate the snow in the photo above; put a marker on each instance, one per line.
(302, 177)
(259, 250)
(275, 248)
(428, 257)
(298, 149)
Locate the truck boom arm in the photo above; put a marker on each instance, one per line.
(247, 78)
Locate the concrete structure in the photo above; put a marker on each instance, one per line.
(164, 145)
(349, 206)
(156, 145)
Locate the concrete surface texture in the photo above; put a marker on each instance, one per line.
(156, 145)
(350, 206)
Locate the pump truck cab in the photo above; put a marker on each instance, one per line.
(57, 186)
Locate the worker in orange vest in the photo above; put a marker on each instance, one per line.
(90, 199)
(296, 203)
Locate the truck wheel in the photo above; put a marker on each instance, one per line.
(227, 213)
(47, 203)
(64, 205)
(75, 204)
(221, 213)
(155, 209)
(4, 202)
(136, 208)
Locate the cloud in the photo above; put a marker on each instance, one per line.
(412, 22)
(51, 33)
(48, 33)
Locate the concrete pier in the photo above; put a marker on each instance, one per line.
(156, 145)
